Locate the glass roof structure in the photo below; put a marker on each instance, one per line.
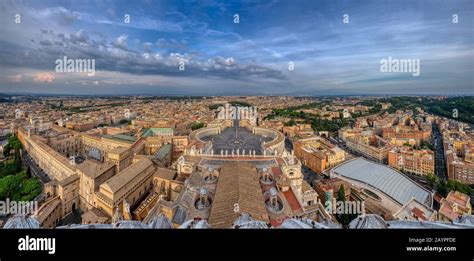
(385, 179)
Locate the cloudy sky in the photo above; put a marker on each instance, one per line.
(251, 57)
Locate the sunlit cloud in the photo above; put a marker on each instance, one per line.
(329, 57)
(44, 77)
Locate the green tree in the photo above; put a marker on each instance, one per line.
(432, 180)
(197, 125)
(13, 143)
(17, 161)
(8, 186)
(7, 168)
(343, 218)
(240, 103)
(6, 150)
(442, 189)
(458, 186)
(215, 106)
(28, 172)
(291, 123)
(29, 190)
(124, 121)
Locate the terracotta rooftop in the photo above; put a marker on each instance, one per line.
(237, 183)
(458, 198)
(418, 213)
(94, 216)
(165, 173)
(127, 175)
(447, 210)
(94, 169)
(47, 208)
(292, 201)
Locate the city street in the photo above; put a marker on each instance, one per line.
(288, 144)
(341, 144)
(440, 168)
(310, 176)
(35, 169)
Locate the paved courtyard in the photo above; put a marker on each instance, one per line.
(237, 137)
(216, 163)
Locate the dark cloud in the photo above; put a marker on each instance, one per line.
(79, 37)
(222, 55)
(65, 16)
(46, 43)
(115, 56)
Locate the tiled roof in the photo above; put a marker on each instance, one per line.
(127, 175)
(238, 184)
(94, 169)
(165, 173)
(292, 201)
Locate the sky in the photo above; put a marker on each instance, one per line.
(294, 47)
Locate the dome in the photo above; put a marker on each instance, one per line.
(245, 221)
(465, 220)
(368, 221)
(86, 226)
(253, 225)
(130, 224)
(305, 223)
(21, 221)
(294, 223)
(202, 224)
(193, 224)
(160, 222)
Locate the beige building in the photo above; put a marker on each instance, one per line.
(50, 213)
(460, 161)
(128, 186)
(79, 163)
(371, 146)
(121, 157)
(415, 211)
(318, 154)
(109, 175)
(92, 175)
(420, 162)
(455, 205)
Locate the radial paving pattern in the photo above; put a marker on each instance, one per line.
(237, 137)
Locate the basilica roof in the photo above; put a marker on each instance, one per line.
(21, 221)
(238, 191)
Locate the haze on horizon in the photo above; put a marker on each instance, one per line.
(251, 57)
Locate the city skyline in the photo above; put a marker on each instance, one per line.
(154, 162)
(166, 127)
(251, 57)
